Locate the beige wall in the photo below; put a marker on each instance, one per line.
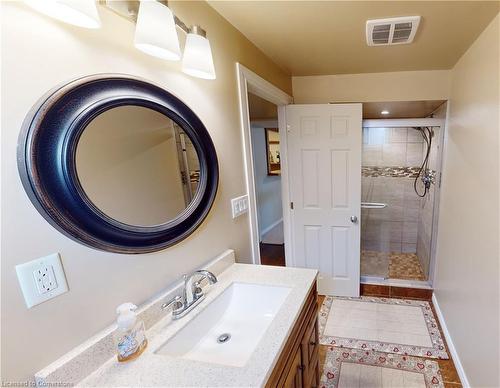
(38, 53)
(391, 86)
(467, 278)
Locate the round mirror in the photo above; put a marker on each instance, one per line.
(118, 163)
(137, 166)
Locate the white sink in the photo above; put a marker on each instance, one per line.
(244, 311)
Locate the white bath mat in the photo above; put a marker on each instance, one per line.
(346, 368)
(398, 326)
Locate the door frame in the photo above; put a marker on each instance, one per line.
(248, 81)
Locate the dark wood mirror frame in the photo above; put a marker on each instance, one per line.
(46, 161)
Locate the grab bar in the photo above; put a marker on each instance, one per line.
(373, 205)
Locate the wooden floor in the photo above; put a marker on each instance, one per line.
(447, 367)
(272, 254)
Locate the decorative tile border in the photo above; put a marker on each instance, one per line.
(436, 351)
(394, 172)
(335, 357)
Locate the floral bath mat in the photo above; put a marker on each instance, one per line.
(366, 368)
(371, 323)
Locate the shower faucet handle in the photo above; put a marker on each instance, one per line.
(354, 219)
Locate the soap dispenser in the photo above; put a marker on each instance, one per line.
(130, 336)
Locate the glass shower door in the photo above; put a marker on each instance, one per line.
(396, 224)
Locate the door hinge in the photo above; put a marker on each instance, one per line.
(291, 205)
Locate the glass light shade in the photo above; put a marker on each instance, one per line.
(197, 60)
(155, 32)
(81, 13)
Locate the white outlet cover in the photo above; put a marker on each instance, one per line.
(38, 288)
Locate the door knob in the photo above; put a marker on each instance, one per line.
(354, 219)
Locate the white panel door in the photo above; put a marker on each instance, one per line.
(324, 158)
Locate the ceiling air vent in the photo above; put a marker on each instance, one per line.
(382, 32)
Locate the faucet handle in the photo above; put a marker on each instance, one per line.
(197, 290)
(176, 303)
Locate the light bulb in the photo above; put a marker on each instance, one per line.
(197, 60)
(155, 32)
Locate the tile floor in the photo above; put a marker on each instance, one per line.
(447, 367)
(393, 265)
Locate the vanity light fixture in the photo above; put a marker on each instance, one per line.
(155, 35)
(384, 112)
(81, 13)
(197, 60)
(155, 32)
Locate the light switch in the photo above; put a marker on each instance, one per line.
(239, 205)
(42, 279)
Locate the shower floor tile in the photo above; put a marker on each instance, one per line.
(405, 266)
(375, 263)
(393, 265)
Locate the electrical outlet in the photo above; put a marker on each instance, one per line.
(239, 205)
(45, 279)
(41, 279)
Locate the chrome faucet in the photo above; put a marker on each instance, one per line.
(192, 294)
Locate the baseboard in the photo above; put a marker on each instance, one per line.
(451, 346)
(264, 231)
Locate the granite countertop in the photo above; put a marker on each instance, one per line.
(151, 369)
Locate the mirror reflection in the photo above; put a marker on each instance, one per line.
(137, 166)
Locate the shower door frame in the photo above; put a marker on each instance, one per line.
(405, 123)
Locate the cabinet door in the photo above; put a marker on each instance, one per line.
(294, 378)
(310, 348)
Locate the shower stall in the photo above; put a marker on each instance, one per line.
(400, 191)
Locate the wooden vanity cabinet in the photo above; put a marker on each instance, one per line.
(298, 363)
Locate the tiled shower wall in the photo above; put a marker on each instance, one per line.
(391, 157)
(427, 205)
